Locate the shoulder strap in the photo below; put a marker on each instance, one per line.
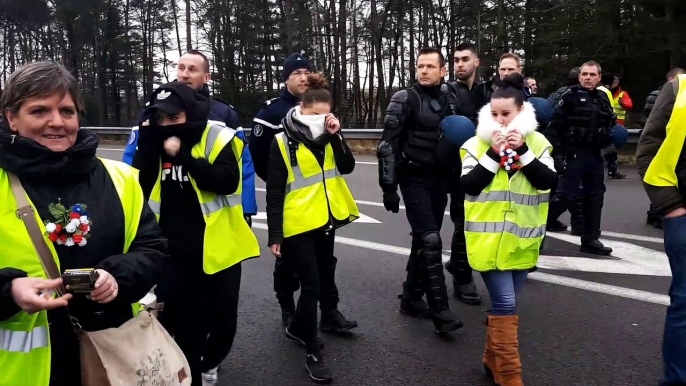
(415, 93)
(25, 213)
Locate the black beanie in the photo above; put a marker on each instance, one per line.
(294, 62)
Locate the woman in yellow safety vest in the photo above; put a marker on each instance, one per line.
(92, 214)
(307, 200)
(507, 173)
(190, 171)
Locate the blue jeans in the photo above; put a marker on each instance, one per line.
(503, 287)
(674, 344)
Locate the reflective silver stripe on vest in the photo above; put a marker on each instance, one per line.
(507, 226)
(155, 206)
(23, 341)
(505, 195)
(299, 181)
(220, 202)
(212, 134)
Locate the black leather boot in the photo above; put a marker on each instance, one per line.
(592, 212)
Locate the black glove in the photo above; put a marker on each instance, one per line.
(248, 219)
(391, 201)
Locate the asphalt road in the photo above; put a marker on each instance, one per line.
(584, 320)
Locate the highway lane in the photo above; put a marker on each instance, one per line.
(584, 321)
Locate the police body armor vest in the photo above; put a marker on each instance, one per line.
(589, 118)
(24, 338)
(424, 135)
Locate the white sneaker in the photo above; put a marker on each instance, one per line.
(210, 378)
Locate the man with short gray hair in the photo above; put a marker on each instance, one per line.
(582, 122)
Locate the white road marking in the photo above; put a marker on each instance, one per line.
(628, 236)
(607, 289)
(626, 259)
(110, 149)
(364, 219)
(366, 163)
(628, 293)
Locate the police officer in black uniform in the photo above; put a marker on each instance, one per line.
(581, 127)
(471, 97)
(407, 157)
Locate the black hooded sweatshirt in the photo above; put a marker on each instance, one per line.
(76, 176)
(181, 218)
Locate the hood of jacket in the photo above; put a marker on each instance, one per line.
(524, 123)
(34, 162)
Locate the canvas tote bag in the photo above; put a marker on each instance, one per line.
(138, 353)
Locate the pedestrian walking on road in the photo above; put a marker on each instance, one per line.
(408, 158)
(110, 229)
(507, 174)
(471, 97)
(662, 164)
(654, 218)
(193, 69)
(190, 172)
(307, 200)
(266, 125)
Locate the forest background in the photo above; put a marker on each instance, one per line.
(120, 50)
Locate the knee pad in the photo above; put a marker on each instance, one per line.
(431, 241)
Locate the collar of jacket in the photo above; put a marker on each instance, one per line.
(524, 123)
(289, 98)
(433, 91)
(301, 133)
(34, 162)
(205, 91)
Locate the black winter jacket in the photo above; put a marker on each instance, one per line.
(664, 198)
(77, 176)
(181, 218)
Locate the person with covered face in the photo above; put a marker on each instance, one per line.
(307, 200)
(507, 174)
(45, 157)
(190, 172)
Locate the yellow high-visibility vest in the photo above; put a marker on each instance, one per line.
(505, 224)
(313, 191)
(617, 107)
(228, 239)
(24, 339)
(662, 169)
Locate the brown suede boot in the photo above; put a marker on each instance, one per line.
(489, 357)
(504, 344)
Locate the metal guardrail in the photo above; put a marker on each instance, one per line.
(349, 133)
(371, 134)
